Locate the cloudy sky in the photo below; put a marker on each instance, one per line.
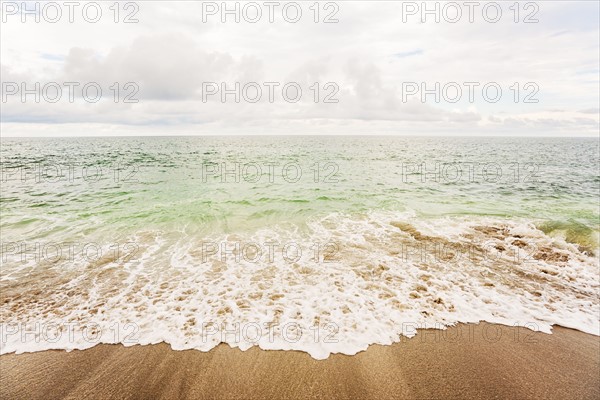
(372, 64)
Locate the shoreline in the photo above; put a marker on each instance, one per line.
(466, 361)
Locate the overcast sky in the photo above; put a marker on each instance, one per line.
(369, 57)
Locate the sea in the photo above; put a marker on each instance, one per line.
(322, 244)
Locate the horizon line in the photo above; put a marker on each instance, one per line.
(299, 135)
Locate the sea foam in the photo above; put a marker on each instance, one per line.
(336, 284)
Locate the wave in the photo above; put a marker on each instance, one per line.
(334, 284)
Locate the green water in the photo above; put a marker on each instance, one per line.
(208, 184)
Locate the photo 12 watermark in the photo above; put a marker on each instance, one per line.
(53, 12)
(254, 92)
(62, 173)
(471, 92)
(252, 12)
(520, 332)
(68, 333)
(256, 332)
(269, 172)
(453, 12)
(66, 252)
(510, 253)
(70, 92)
(470, 172)
(263, 253)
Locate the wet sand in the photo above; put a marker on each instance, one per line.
(467, 361)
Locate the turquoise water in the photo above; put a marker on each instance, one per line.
(170, 183)
(385, 232)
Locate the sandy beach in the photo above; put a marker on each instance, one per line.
(466, 361)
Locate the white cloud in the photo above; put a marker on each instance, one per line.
(171, 52)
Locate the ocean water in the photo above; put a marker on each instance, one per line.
(319, 244)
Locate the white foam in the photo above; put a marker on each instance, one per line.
(384, 279)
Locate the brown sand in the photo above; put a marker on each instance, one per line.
(486, 361)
